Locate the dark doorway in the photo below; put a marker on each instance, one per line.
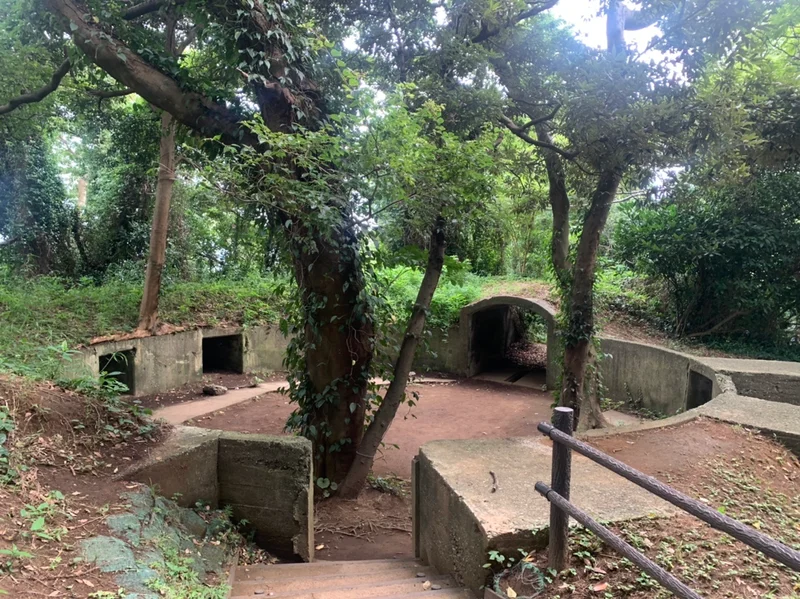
(120, 367)
(700, 390)
(509, 344)
(223, 354)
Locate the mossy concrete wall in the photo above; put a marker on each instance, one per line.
(266, 480)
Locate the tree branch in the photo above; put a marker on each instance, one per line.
(39, 94)
(488, 31)
(145, 8)
(523, 135)
(189, 108)
(104, 94)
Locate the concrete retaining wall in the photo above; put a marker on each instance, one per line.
(656, 378)
(267, 480)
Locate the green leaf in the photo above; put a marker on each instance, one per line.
(38, 524)
(73, 26)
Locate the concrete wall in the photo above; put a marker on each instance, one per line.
(465, 334)
(165, 362)
(447, 534)
(159, 363)
(267, 480)
(658, 378)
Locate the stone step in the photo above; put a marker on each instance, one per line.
(325, 568)
(332, 581)
(343, 590)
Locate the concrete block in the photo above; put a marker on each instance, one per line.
(185, 464)
(461, 519)
(267, 480)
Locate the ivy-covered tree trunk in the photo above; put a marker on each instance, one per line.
(338, 347)
(382, 420)
(579, 306)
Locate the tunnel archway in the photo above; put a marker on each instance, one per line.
(495, 328)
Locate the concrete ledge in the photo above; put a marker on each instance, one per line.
(775, 418)
(460, 519)
(267, 480)
(185, 464)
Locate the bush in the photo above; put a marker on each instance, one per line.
(730, 258)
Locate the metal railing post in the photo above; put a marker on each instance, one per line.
(561, 471)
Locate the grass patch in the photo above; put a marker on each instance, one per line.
(42, 318)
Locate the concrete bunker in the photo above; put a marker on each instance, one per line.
(120, 366)
(511, 336)
(223, 353)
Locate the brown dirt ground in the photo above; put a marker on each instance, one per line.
(59, 459)
(464, 410)
(378, 524)
(698, 458)
(745, 475)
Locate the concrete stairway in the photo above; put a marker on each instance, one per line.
(384, 579)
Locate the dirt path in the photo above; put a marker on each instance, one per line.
(463, 410)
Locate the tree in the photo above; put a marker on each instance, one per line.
(599, 118)
(434, 181)
(277, 55)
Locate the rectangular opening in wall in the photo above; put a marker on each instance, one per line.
(120, 367)
(223, 354)
(700, 390)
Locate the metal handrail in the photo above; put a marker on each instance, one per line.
(561, 509)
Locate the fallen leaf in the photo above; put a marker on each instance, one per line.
(511, 592)
(319, 547)
(599, 588)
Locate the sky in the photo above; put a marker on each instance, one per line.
(591, 28)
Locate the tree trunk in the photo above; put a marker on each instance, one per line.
(559, 202)
(580, 306)
(338, 335)
(357, 476)
(148, 310)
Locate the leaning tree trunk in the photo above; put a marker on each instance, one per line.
(148, 310)
(338, 338)
(580, 306)
(357, 476)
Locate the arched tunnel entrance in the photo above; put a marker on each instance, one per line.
(509, 339)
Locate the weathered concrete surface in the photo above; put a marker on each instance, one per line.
(185, 464)
(777, 418)
(264, 348)
(267, 480)
(165, 362)
(460, 519)
(159, 363)
(179, 413)
(654, 376)
(765, 379)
